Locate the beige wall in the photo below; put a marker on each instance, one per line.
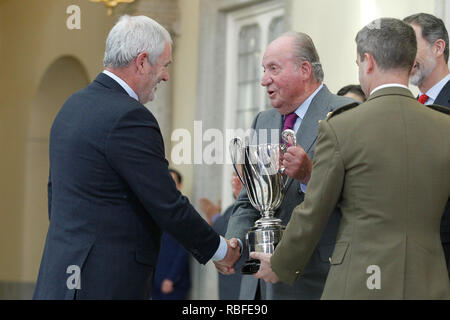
(184, 77)
(333, 26)
(37, 37)
(33, 35)
(62, 78)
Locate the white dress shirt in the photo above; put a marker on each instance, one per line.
(388, 85)
(123, 84)
(301, 111)
(436, 89)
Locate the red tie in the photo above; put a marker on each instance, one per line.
(423, 98)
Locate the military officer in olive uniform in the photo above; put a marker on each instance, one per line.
(386, 164)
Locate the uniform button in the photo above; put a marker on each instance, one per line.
(329, 259)
(297, 272)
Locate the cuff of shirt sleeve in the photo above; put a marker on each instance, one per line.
(303, 187)
(221, 251)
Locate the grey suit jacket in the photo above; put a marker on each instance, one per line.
(311, 285)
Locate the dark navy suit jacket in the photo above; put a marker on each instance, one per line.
(173, 264)
(443, 99)
(110, 194)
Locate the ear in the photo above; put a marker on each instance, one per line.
(370, 62)
(438, 47)
(305, 69)
(141, 61)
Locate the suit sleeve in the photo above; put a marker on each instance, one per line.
(49, 194)
(309, 219)
(135, 149)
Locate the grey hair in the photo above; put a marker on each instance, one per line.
(304, 50)
(131, 36)
(433, 29)
(391, 42)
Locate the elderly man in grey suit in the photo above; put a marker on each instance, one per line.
(293, 78)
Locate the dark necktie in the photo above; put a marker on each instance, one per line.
(289, 121)
(423, 98)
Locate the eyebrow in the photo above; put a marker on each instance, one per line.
(271, 63)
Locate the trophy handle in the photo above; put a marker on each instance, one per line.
(284, 145)
(236, 144)
(285, 139)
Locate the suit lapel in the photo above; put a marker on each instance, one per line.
(306, 134)
(443, 98)
(272, 122)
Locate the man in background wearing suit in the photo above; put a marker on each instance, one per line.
(430, 72)
(431, 75)
(110, 193)
(293, 78)
(386, 164)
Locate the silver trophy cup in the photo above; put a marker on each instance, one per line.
(258, 168)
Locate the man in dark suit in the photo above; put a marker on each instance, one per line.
(432, 76)
(110, 193)
(293, 78)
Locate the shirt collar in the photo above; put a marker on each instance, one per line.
(436, 89)
(123, 84)
(387, 85)
(303, 108)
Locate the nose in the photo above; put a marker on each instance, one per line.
(266, 80)
(165, 76)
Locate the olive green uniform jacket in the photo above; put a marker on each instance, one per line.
(386, 164)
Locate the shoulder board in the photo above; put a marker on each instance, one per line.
(439, 108)
(342, 109)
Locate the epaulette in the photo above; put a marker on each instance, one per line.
(342, 109)
(439, 108)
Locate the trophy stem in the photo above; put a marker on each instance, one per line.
(267, 220)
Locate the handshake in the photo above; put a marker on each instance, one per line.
(226, 265)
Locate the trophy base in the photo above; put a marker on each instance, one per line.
(250, 267)
(262, 238)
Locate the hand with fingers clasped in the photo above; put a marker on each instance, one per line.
(226, 265)
(297, 164)
(265, 270)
